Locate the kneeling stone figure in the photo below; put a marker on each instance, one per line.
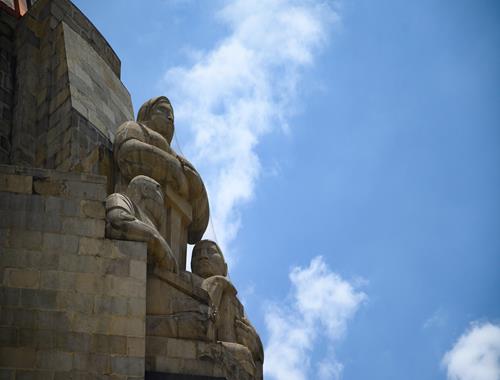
(138, 214)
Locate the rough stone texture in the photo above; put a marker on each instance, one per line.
(72, 303)
(7, 26)
(68, 97)
(143, 148)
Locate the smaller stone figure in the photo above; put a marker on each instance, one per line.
(139, 214)
(232, 328)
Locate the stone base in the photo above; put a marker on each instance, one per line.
(72, 303)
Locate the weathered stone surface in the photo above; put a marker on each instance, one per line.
(142, 148)
(70, 303)
(138, 215)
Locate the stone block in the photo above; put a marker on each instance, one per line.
(89, 283)
(8, 336)
(92, 324)
(86, 190)
(53, 320)
(49, 187)
(156, 346)
(128, 365)
(21, 278)
(58, 280)
(92, 209)
(17, 357)
(136, 250)
(83, 227)
(111, 305)
(93, 365)
(4, 237)
(168, 364)
(161, 326)
(53, 242)
(35, 338)
(73, 341)
(92, 247)
(110, 344)
(57, 360)
(38, 299)
(128, 326)
(9, 296)
(62, 206)
(138, 270)
(181, 348)
(17, 317)
(117, 267)
(123, 287)
(76, 263)
(15, 202)
(136, 347)
(34, 375)
(136, 307)
(6, 374)
(77, 302)
(16, 183)
(25, 239)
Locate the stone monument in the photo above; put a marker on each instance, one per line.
(96, 213)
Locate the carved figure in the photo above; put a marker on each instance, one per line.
(143, 147)
(138, 214)
(232, 327)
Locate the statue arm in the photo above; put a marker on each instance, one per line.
(136, 157)
(247, 335)
(215, 287)
(199, 201)
(126, 226)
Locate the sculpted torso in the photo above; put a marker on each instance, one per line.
(142, 147)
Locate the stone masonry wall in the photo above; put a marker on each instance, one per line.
(7, 25)
(72, 303)
(68, 98)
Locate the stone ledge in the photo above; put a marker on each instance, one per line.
(50, 173)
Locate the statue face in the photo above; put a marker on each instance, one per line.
(162, 120)
(208, 262)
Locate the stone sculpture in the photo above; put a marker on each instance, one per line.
(138, 214)
(161, 199)
(232, 328)
(143, 147)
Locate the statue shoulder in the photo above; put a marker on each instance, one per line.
(219, 282)
(118, 200)
(129, 130)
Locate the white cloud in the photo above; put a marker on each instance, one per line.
(320, 306)
(476, 354)
(241, 90)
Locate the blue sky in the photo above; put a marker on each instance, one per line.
(351, 150)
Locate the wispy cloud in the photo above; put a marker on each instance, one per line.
(242, 89)
(436, 320)
(476, 354)
(320, 306)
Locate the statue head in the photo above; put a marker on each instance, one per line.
(158, 114)
(147, 193)
(208, 260)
